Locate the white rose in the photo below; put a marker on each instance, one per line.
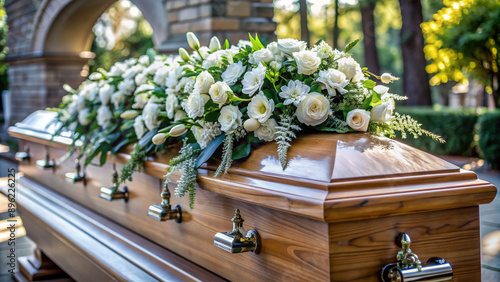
(266, 130)
(290, 46)
(140, 101)
(171, 105)
(130, 61)
(154, 67)
(105, 93)
(273, 47)
(173, 77)
(380, 113)
(104, 116)
(313, 110)
(253, 80)
(139, 127)
(262, 55)
(230, 118)
(214, 59)
(151, 114)
(307, 62)
(83, 117)
(90, 91)
(117, 98)
(140, 79)
(358, 119)
(195, 105)
(131, 72)
(144, 60)
(203, 82)
(350, 68)
(233, 73)
(260, 108)
(333, 79)
(219, 92)
(126, 86)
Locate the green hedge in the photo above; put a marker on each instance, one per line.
(489, 138)
(456, 126)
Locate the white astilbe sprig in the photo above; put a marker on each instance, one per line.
(227, 155)
(285, 134)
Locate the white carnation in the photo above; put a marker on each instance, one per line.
(233, 72)
(267, 130)
(358, 119)
(104, 116)
(214, 59)
(294, 92)
(260, 108)
(160, 76)
(253, 80)
(323, 50)
(90, 91)
(140, 78)
(144, 88)
(140, 101)
(117, 69)
(333, 80)
(130, 62)
(171, 105)
(230, 118)
(151, 113)
(117, 98)
(154, 67)
(313, 110)
(350, 68)
(105, 93)
(131, 72)
(83, 117)
(139, 127)
(144, 60)
(203, 82)
(307, 62)
(126, 86)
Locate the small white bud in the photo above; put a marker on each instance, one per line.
(214, 44)
(95, 76)
(193, 41)
(251, 124)
(130, 114)
(178, 130)
(184, 55)
(159, 139)
(387, 78)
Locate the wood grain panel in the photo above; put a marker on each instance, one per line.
(359, 249)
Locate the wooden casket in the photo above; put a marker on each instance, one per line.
(333, 214)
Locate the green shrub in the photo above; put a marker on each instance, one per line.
(489, 138)
(456, 126)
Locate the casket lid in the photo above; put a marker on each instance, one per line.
(331, 177)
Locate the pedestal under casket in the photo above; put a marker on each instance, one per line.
(333, 214)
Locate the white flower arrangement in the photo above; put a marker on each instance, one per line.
(229, 96)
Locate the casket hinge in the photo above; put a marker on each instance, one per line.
(24, 156)
(113, 192)
(237, 240)
(47, 162)
(77, 175)
(410, 268)
(164, 211)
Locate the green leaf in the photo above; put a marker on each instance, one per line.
(209, 150)
(374, 100)
(316, 87)
(241, 151)
(121, 144)
(103, 158)
(256, 44)
(351, 45)
(147, 138)
(212, 116)
(369, 84)
(151, 54)
(226, 44)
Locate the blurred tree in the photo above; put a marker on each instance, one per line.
(367, 7)
(304, 29)
(336, 24)
(462, 40)
(120, 33)
(4, 28)
(415, 79)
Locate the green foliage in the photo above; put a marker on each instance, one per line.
(4, 83)
(489, 138)
(456, 126)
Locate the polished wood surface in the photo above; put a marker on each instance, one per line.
(337, 191)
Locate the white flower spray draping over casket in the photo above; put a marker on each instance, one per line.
(227, 95)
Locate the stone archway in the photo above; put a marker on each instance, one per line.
(47, 37)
